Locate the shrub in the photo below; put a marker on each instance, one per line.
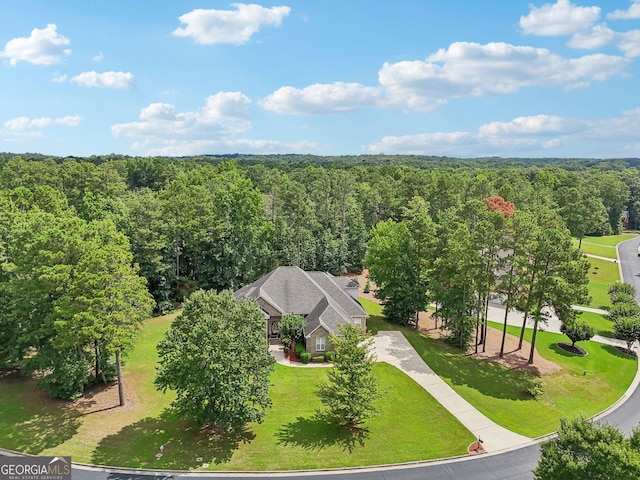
(577, 330)
(535, 388)
(621, 288)
(305, 356)
(623, 310)
(367, 287)
(330, 356)
(620, 297)
(627, 329)
(299, 349)
(317, 359)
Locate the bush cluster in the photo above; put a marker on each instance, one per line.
(330, 356)
(299, 349)
(305, 357)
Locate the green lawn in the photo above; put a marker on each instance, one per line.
(291, 437)
(601, 274)
(610, 240)
(500, 393)
(589, 248)
(601, 323)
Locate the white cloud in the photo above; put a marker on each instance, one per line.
(200, 147)
(98, 57)
(119, 80)
(595, 37)
(423, 142)
(225, 113)
(321, 99)
(533, 135)
(43, 47)
(600, 35)
(631, 13)
(24, 123)
(561, 18)
(533, 125)
(209, 27)
(59, 77)
(471, 70)
(630, 43)
(214, 127)
(463, 70)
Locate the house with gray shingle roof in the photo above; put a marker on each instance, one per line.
(325, 302)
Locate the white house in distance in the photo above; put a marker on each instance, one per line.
(325, 302)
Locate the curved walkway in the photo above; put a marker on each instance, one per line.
(394, 348)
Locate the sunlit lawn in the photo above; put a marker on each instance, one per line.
(590, 248)
(410, 425)
(610, 240)
(601, 323)
(601, 274)
(500, 393)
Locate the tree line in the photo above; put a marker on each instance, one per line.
(83, 240)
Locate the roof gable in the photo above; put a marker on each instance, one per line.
(317, 296)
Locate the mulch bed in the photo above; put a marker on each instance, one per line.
(291, 356)
(575, 349)
(475, 447)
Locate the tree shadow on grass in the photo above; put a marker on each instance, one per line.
(186, 446)
(488, 378)
(319, 432)
(620, 352)
(562, 352)
(30, 421)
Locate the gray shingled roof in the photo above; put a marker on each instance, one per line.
(315, 295)
(327, 314)
(346, 282)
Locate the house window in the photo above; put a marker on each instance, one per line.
(320, 344)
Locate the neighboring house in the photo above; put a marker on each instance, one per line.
(325, 302)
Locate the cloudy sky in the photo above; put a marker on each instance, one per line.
(328, 77)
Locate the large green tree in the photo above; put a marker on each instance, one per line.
(555, 273)
(585, 450)
(105, 300)
(352, 388)
(214, 357)
(392, 268)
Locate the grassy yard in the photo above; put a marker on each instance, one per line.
(607, 251)
(601, 274)
(500, 393)
(291, 437)
(601, 323)
(609, 240)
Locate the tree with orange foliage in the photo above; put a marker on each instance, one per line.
(499, 204)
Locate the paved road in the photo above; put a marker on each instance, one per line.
(513, 465)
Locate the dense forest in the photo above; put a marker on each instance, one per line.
(157, 229)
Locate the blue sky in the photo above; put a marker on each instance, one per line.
(456, 78)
